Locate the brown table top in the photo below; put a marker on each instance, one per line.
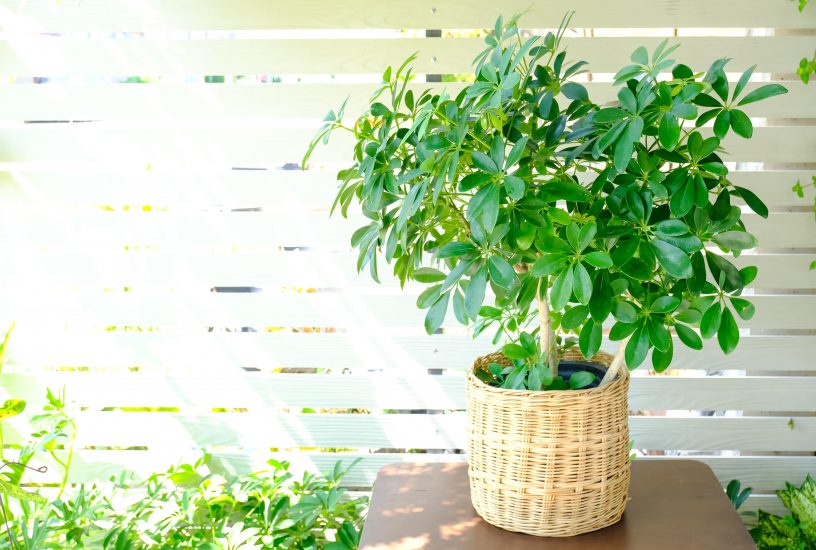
(673, 505)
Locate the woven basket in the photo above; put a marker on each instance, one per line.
(548, 463)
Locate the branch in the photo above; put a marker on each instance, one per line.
(617, 362)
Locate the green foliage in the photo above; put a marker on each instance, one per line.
(797, 530)
(191, 507)
(522, 186)
(736, 494)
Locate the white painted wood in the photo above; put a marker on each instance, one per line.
(141, 270)
(262, 392)
(371, 311)
(763, 474)
(211, 231)
(212, 353)
(173, 432)
(38, 55)
(247, 100)
(201, 147)
(155, 15)
(312, 189)
(767, 503)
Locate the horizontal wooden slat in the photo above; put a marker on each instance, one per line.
(767, 503)
(213, 353)
(127, 101)
(173, 432)
(260, 147)
(295, 227)
(275, 189)
(140, 270)
(260, 392)
(316, 309)
(763, 474)
(121, 15)
(39, 55)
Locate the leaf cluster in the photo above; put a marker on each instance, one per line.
(522, 190)
(190, 506)
(795, 531)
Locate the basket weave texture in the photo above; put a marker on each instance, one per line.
(548, 463)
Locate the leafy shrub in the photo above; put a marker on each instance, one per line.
(191, 507)
(795, 531)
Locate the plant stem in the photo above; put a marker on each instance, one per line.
(613, 369)
(544, 326)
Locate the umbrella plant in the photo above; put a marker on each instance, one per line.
(569, 216)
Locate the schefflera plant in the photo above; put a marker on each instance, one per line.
(573, 215)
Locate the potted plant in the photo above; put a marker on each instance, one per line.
(573, 217)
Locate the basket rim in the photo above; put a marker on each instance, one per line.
(619, 379)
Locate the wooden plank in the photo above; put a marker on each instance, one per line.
(377, 311)
(767, 503)
(199, 146)
(50, 56)
(295, 227)
(172, 432)
(226, 188)
(137, 269)
(120, 15)
(127, 101)
(763, 474)
(212, 353)
(261, 392)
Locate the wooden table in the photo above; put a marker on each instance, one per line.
(673, 505)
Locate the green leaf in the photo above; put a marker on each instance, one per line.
(590, 338)
(722, 123)
(728, 334)
(742, 82)
(455, 249)
(515, 187)
(640, 56)
(710, 322)
(741, 124)
(637, 348)
(753, 202)
(475, 293)
(627, 99)
(474, 180)
(624, 311)
(675, 261)
(689, 337)
(12, 407)
(485, 206)
(12, 490)
(574, 317)
(743, 307)
(665, 304)
(609, 114)
(620, 331)
(581, 379)
(428, 275)
(671, 228)
(661, 359)
(497, 151)
(623, 152)
(669, 132)
(658, 335)
(566, 189)
(586, 235)
(548, 264)
(582, 285)
(484, 162)
(735, 240)
(501, 272)
(436, 314)
(428, 296)
(561, 289)
(599, 259)
(763, 92)
(515, 351)
(722, 268)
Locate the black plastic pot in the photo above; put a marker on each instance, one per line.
(568, 368)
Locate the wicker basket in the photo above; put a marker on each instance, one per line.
(548, 463)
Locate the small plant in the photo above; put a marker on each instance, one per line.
(190, 506)
(736, 494)
(795, 531)
(568, 212)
